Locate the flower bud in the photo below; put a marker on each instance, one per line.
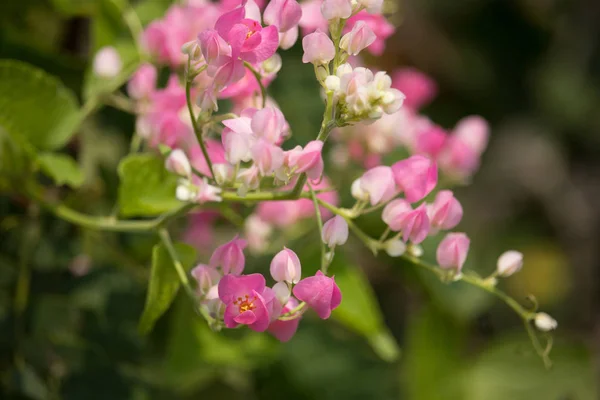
(335, 231)
(273, 64)
(223, 173)
(416, 176)
(318, 48)
(282, 292)
(267, 157)
(285, 14)
(285, 266)
(360, 37)
(414, 224)
(358, 192)
(107, 62)
(192, 49)
(257, 232)
(509, 262)
(250, 179)
(320, 293)
(332, 83)
(288, 38)
(143, 82)
(206, 276)
(332, 9)
(474, 131)
(230, 256)
(379, 183)
(395, 247)
(445, 212)
(178, 163)
(309, 160)
(393, 212)
(269, 124)
(452, 251)
(545, 322)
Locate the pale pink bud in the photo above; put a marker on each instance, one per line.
(414, 224)
(457, 159)
(288, 38)
(285, 14)
(395, 247)
(207, 192)
(286, 267)
(143, 82)
(359, 38)
(266, 156)
(309, 160)
(358, 192)
(332, 9)
(318, 48)
(207, 101)
(269, 124)
(335, 231)
(378, 182)
(446, 211)
(230, 256)
(206, 276)
(416, 176)
(393, 212)
(545, 322)
(509, 262)
(474, 131)
(214, 48)
(107, 62)
(257, 232)
(452, 251)
(282, 292)
(237, 146)
(178, 163)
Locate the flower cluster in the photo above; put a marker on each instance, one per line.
(228, 50)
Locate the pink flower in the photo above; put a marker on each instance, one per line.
(214, 48)
(285, 14)
(318, 48)
(509, 262)
(237, 139)
(419, 88)
(332, 9)
(266, 156)
(268, 123)
(164, 38)
(285, 266)
(320, 293)
(197, 190)
(312, 19)
(309, 160)
(359, 38)
(474, 131)
(378, 24)
(452, 251)
(416, 176)
(230, 256)
(285, 330)
(143, 82)
(288, 38)
(445, 212)
(206, 276)
(458, 159)
(335, 231)
(199, 231)
(215, 151)
(247, 301)
(378, 183)
(178, 163)
(393, 212)
(414, 224)
(431, 141)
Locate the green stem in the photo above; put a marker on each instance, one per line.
(197, 129)
(293, 313)
(183, 278)
(320, 227)
(263, 91)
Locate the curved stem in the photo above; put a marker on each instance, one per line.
(320, 227)
(263, 91)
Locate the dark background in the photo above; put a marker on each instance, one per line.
(531, 67)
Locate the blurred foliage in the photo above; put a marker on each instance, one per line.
(71, 299)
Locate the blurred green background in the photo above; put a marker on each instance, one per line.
(70, 298)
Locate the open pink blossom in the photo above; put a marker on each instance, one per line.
(309, 160)
(416, 176)
(430, 141)
(378, 183)
(457, 159)
(268, 123)
(285, 14)
(419, 88)
(452, 251)
(446, 211)
(414, 224)
(285, 330)
(266, 156)
(247, 301)
(230, 256)
(320, 293)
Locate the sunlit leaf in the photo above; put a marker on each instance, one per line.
(164, 283)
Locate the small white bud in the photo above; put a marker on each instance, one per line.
(107, 62)
(509, 263)
(357, 191)
(223, 173)
(545, 322)
(332, 83)
(395, 247)
(415, 250)
(178, 163)
(186, 191)
(273, 64)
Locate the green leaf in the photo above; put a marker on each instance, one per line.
(147, 188)
(149, 10)
(75, 7)
(164, 283)
(35, 106)
(359, 309)
(61, 168)
(15, 160)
